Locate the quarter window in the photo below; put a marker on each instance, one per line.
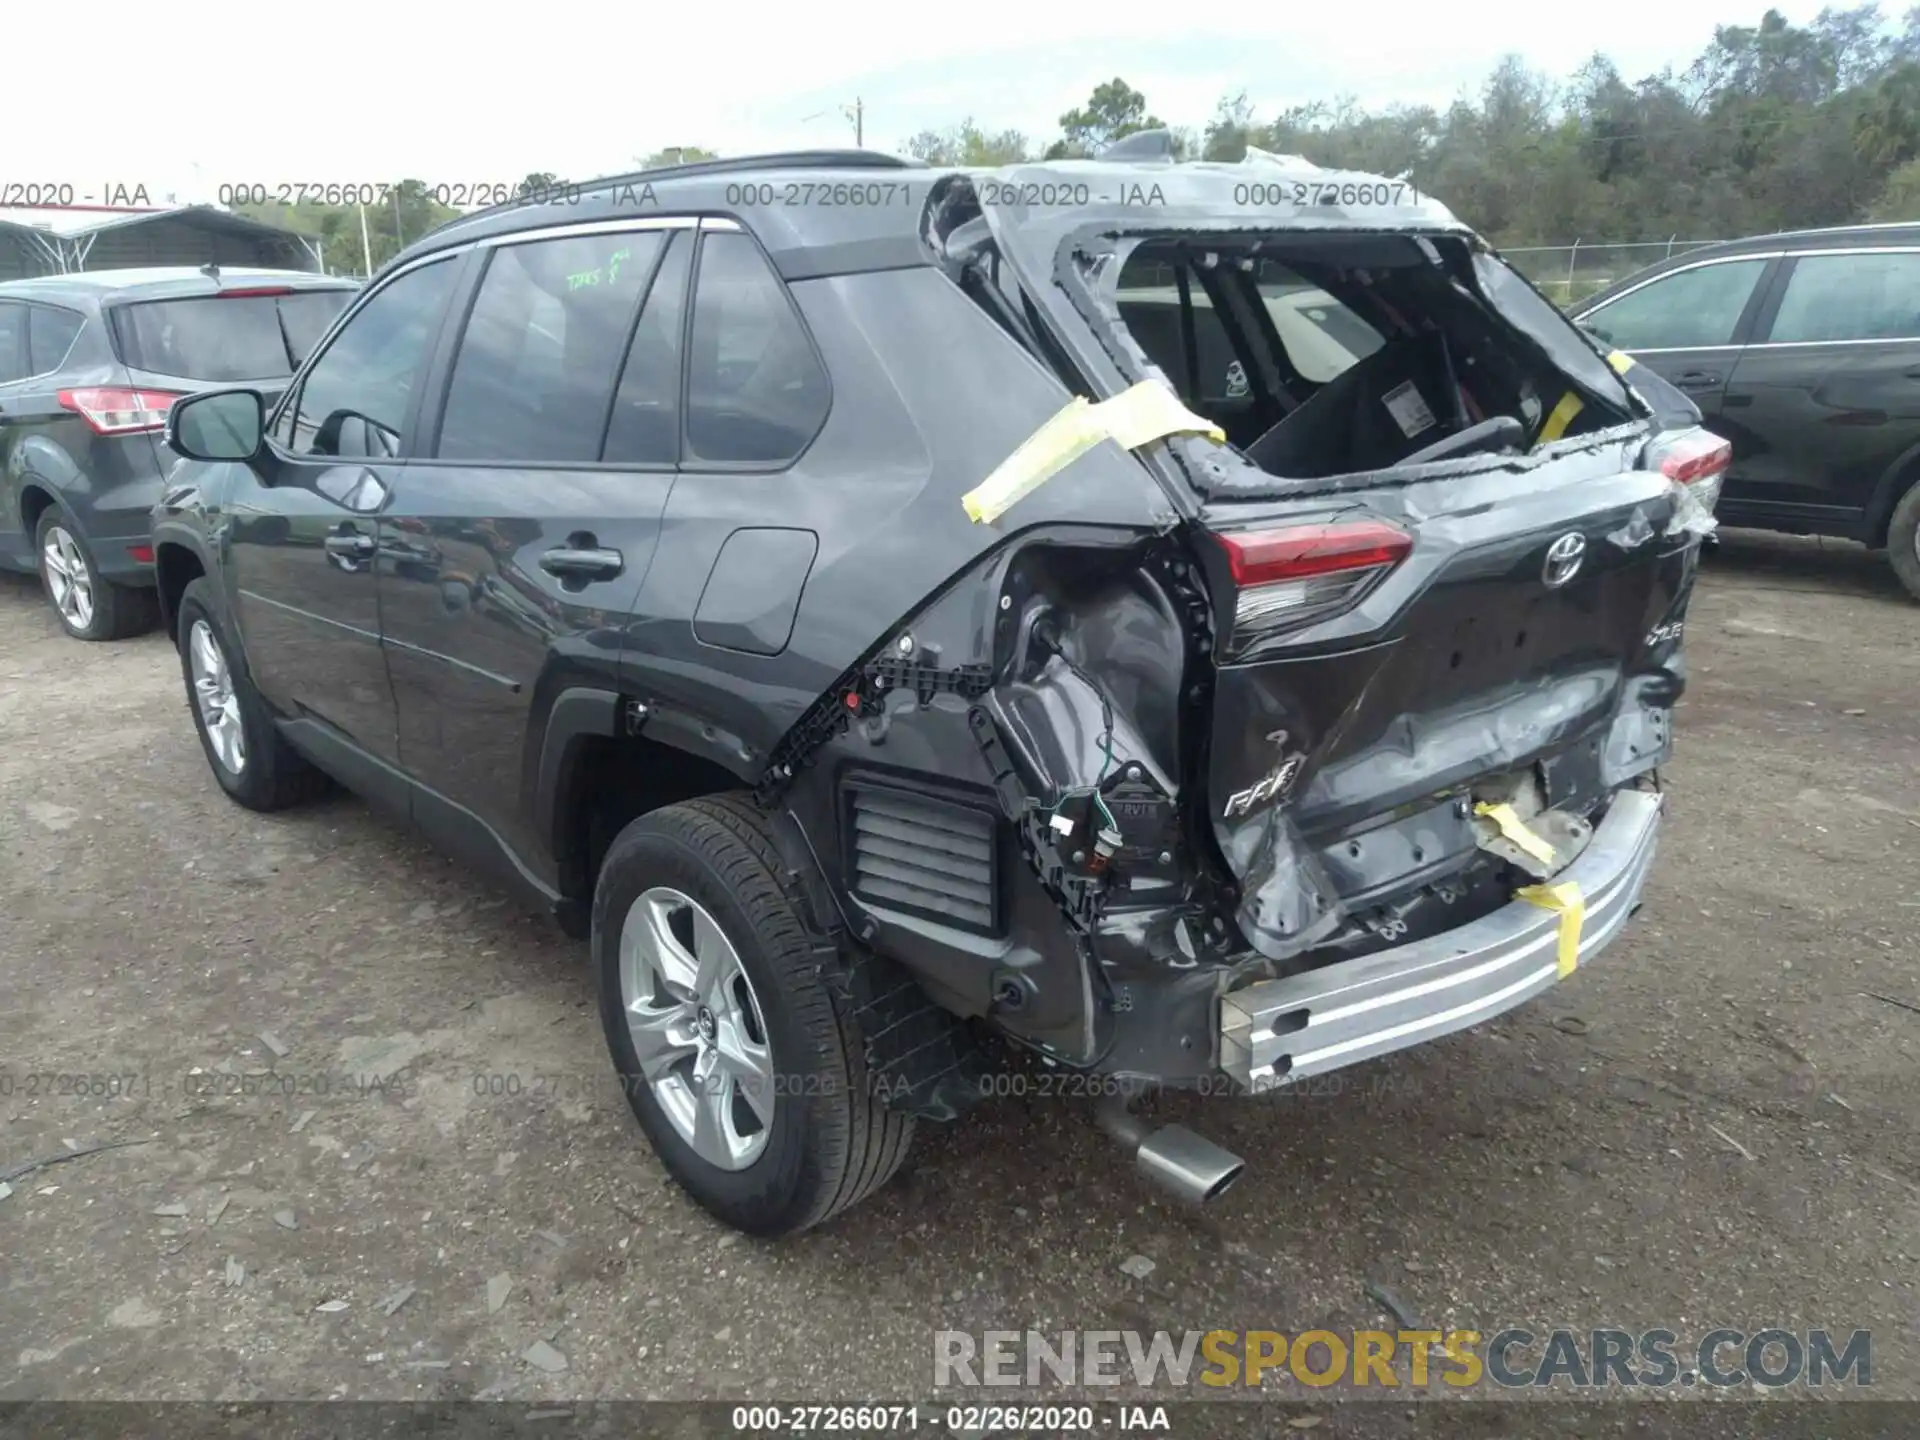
(1688, 309)
(1850, 297)
(355, 399)
(535, 373)
(13, 342)
(756, 391)
(50, 335)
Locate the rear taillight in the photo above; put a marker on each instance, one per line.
(1298, 573)
(113, 411)
(1695, 458)
(1690, 455)
(243, 291)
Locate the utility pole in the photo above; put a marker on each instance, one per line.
(856, 112)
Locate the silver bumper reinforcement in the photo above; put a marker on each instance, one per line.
(1277, 1031)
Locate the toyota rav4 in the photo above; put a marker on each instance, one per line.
(1184, 624)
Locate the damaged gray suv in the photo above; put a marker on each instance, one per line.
(1183, 625)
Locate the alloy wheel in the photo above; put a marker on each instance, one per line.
(697, 1028)
(213, 694)
(69, 580)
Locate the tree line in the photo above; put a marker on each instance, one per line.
(1772, 126)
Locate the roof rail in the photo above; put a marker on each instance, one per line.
(777, 160)
(1838, 229)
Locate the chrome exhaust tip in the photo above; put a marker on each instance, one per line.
(1173, 1157)
(1190, 1165)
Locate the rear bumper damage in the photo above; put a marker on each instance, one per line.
(1275, 1032)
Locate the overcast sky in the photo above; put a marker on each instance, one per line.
(351, 91)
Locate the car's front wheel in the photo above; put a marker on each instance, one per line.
(739, 1054)
(89, 607)
(1903, 540)
(249, 758)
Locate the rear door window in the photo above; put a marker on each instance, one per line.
(1690, 309)
(223, 339)
(50, 335)
(13, 342)
(756, 390)
(1850, 297)
(645, 426)
(534, 376)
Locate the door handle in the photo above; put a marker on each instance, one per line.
(351, 546)
(1696, 379)
(590, 564)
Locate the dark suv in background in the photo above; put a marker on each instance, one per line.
(89, 364)
(1803, 349)
(738, 562)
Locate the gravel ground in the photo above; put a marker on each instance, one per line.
(1713, 1124)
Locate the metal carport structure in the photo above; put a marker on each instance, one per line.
(27, 250)
(56, 240)
(191, 235)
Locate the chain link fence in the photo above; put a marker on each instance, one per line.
(1568, 274)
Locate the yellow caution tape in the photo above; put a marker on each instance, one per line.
(1514, 830)
(1620, 361)
(1147, 411)
(1572, 907)
(1570, 405)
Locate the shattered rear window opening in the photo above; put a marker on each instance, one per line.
(1324, 354)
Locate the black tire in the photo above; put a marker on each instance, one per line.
(831, 1140)
(1903, 541)
(272, 775)
(113, 612)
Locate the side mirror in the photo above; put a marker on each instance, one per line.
(217, 425)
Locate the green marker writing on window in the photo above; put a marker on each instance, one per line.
(582, 278)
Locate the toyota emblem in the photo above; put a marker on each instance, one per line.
(1564, 558)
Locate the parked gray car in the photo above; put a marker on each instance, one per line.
(89, 364)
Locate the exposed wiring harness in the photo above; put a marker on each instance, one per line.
(1106, 743)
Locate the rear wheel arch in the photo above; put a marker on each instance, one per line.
(593, 781)
(1902, 539)
(1900, 477)
(175, 566)
(34, 502)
